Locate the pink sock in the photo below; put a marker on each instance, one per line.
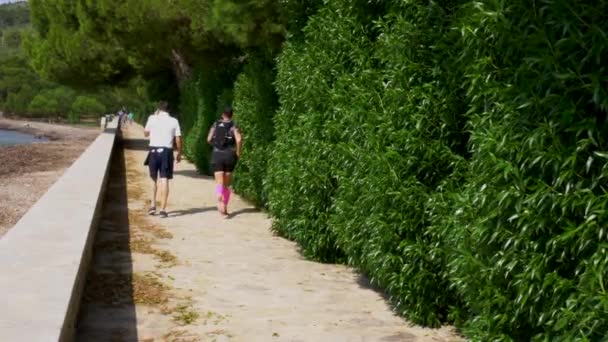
(226, 194)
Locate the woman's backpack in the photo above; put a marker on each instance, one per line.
(223, 136)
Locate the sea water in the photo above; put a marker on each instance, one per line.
(16, 138)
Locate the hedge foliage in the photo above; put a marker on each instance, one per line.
(453, 151)
(370, 134)
(201, 103)
(255, 103)
(531, 226)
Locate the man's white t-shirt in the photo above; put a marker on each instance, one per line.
(163, 129)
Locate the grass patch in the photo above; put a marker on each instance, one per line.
(148, 290)
(219, 332)
(214, 317)
(181, 336)
(120, 289)
(141, 245)
(138, 244)
(184, 314)
(166, 257)
(138, 220)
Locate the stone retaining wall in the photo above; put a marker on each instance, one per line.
(44, 257)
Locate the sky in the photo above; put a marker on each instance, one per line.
(7, 1)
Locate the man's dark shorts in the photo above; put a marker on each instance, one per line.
(160, 162)
(223, 160)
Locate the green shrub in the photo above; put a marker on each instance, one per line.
(57, 101)
(188, 106)
(305, 164)
(19, 102)
(454, 151)
(73, 117)
(43, 104)
(371, 145)
(255, 103)
(84, 105)
(405, 157)
(200, 106)
(531, 261)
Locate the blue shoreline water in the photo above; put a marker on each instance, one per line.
(8, 138)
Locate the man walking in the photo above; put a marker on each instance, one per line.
(162, 129)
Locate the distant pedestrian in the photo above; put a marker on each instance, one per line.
(131, 117)
(162, 129)
(226, 139)
(121, 117)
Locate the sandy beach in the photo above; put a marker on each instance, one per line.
(27, 171)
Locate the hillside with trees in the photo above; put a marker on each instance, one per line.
(454, 151)
(24, 93)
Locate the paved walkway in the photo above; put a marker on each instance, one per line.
(197, 277)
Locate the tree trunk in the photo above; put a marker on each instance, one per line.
(181, 69)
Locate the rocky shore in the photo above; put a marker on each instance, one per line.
(27, 171)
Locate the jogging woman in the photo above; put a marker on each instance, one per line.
(226, 139)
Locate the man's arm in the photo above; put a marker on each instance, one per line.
(178, 141)
(147, 127)
(178, 144)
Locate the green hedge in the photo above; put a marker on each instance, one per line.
(532, 259)
(255, 103)
(405, 159)
(454, 151)
(371, 141)
(201, 102)
(305, 164)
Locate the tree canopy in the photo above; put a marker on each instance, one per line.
(94, 42)
(24, 92)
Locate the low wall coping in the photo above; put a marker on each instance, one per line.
(44, 257)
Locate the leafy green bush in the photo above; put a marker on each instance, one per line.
(10, 38)
(73, 117)
(201, 103)
(255, 103)
(302, 179)
(371, 143)
(204, 112)
(43, 104)
(405, 158)
(18, 102)
(84, 105)
(531, 243)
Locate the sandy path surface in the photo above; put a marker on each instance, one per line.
(27, 171)
(197, 277)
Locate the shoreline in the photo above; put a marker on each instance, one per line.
(27, 130)
(28, 170)
(30, 127)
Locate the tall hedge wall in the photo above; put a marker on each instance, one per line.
(531, 259)
(371, 140)
(201, 102)
(453, 151)
(255, 103)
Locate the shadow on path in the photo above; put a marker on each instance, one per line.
(191, 173)
(191, 211)
(107, 311)
(243, 212)
(135, 144)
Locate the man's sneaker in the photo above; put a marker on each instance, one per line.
(152, 211)
(163, 214)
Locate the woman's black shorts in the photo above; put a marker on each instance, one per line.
(223, 160)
